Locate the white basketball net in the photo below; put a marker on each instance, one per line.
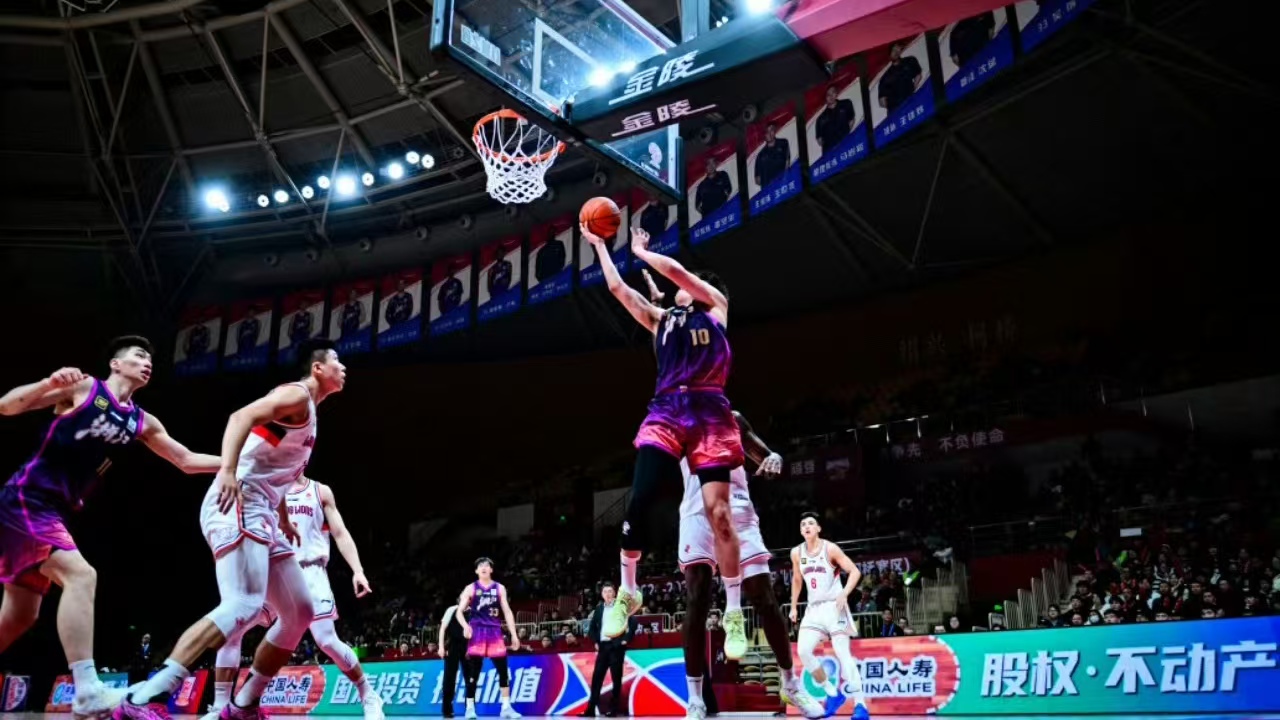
(516, 155)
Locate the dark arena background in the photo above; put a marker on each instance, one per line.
(1017, 345)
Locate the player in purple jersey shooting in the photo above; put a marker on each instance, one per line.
(689, 417)
(92, 420)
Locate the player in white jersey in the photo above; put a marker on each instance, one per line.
(315, 515)
(816, 566)
(245, 520)
(697, 560)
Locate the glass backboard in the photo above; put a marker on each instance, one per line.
(542, 52)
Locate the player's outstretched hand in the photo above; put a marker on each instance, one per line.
(515, 644)
(66, 377)
(361, 585)
(771, 466)
(589, 236)
(842, 605)
(639, 239)
(290, 532)
(228, 491)
(794, 615)
(655, 294)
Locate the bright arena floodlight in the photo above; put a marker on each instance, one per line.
(412, 157)
(599, 77)
(281, 197)
(323, 182)
(345, 185)
(367, 179)
(216, 199)
(263, 201)
(308, 192)
(428, 161)
(395, 171)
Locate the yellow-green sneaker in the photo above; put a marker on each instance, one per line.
(735, 635)
(614, 623)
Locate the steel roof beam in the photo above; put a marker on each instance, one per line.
(82, 22)
(309, 69)
(161, 100)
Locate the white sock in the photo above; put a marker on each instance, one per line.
(732, 593)
(471, 703)
(695, 690)
(830, 687)
(506, 702)
(629, 574)
(163, 682)
(251, 692)
(221, 694)
(364, 687)
(84, 673)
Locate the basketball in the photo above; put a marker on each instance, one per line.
(601, 216)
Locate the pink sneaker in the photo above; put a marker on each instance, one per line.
(151, 711)
(232, 712)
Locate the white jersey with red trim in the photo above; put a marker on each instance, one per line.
(307, 514)
(821, 576)
(274, 457)
(739, 493)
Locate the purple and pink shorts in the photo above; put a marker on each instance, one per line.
(693, 423)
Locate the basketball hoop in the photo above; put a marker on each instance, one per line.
(516, 155)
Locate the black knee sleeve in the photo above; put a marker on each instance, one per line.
(471, 673)
(504, 677)
(653, 468)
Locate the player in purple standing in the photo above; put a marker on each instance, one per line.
(92, 420)
(487, 600)
(689, 417)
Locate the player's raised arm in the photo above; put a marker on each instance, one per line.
(770, 463)
(281, 403)
(840, 559)
(670, 268)
(644, 312)
(509, 616)
(160, 442)
(797, 581)
(58, 388)
(342, 538)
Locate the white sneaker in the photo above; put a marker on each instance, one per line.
(697, 710)
(471, 712)
(794, 693)
(97, 701)
(373, 707)
(509, 713)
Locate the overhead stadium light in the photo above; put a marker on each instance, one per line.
(323, 182)
(628, 66)
(599, 77)
(759, 7)
(308, 192)
(281, 197)
(367, 179)
(263, 201)
(412, 157)
(395, 171)
(428, 161)
(216, 199)
(345, 185)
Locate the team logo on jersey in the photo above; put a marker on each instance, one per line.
(100, 403)
(133, 424)
(804, 560)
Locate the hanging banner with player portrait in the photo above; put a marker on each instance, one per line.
(973, 50)
(1038, 20)
(400, 310)
(550, 252)
(773, 159)
(590, 271)
(451, 294)
(196, 349)
(501, 283)
(351, 322)
(835, 124)
(714, 205)
(248, 335)
(659, 219)
(301, 319)
(901, 94)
